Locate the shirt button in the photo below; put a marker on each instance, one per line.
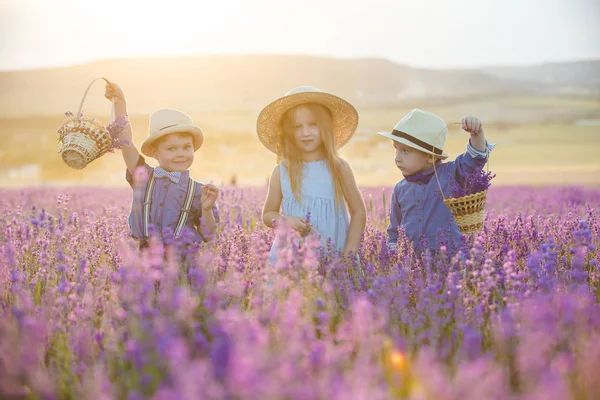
(158, 224)
(166, 187)
(418, 201)
(161, 204)
(419, 219)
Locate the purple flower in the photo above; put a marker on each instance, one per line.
(514, 314)
(474, 182)
(114, 129)
(220, 356)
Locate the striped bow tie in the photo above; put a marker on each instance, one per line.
(161, 173)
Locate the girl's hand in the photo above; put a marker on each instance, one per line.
(472, 125)
(113, 91)
(298, 224)
(209, 196)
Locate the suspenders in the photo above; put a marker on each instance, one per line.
(147, 203)
(185, 210)
(187, 206)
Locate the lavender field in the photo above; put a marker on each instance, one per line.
(83, 315)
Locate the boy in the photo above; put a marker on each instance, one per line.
(165, 198)
(417, 206)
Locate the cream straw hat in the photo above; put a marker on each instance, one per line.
(422, 131)
(344, 115)
(166, 121)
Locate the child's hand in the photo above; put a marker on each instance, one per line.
(113, 91)
(472, 125)
(209, 196)
(298, 224)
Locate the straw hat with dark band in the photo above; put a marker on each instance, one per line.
(422, 131)
(344, 115)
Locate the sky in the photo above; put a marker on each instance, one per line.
(421, 33)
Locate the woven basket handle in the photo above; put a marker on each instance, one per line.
(112, 110)
(487, 161)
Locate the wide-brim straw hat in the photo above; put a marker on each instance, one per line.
(167, 121)
(422, 131)
(344, 116)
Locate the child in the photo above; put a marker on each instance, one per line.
(305, 128)
(417, 206)
(167, 199)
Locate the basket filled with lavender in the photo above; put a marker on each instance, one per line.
(468, 200)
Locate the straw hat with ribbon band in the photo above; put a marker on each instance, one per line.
(427, 132)
(422, 131)
(84, 139)
(167, 121)
(344, 116)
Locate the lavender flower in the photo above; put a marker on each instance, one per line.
(515, 314)
(474, 182)
(114, 129)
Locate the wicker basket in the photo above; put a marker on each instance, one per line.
(468, 211)
(84, 139)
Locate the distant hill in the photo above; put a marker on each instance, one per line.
(577, 75)
(249, 82)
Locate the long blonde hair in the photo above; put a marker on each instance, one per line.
(291, 156)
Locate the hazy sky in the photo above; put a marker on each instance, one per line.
(424, 33)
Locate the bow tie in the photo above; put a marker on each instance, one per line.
(161, 173)
(423, 176)
(419, 177)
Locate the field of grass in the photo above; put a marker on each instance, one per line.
(539, 143)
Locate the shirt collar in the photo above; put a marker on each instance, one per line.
(174, 177)
(422, 176)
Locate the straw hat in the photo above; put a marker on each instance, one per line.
(166, 121)
(344, 115)
(422, 131)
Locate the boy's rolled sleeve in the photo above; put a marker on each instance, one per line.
(140, 163)
(472, 159)
(473, 152)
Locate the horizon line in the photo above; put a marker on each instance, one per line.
(292, 55)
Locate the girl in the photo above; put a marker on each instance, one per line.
(305, 128)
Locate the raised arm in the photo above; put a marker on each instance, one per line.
(477, 149)
(475, 128)
(130, 153)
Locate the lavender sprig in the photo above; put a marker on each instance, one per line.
(474, 182)
(115, 129)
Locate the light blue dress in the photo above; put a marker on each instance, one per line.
(318, 198)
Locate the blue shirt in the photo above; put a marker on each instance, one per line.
(167, 200)
(419, 209)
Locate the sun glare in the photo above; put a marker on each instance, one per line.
(128, 28)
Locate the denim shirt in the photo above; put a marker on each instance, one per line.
(419, 209)
(167, 200)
